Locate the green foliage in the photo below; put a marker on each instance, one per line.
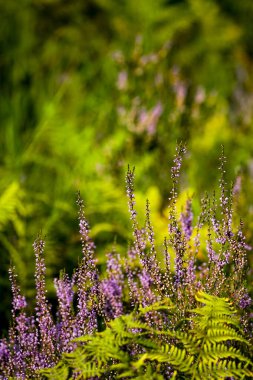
(211, 345)
(214, 325)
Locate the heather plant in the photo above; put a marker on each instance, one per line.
(131, 319)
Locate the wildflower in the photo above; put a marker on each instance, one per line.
(43, 316)
(86, 280)
(65, 295)
(245, 301)
(186, 220)
(112, 288)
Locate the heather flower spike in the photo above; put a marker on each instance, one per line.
(176, 237)
(130, 194)
(112, 288)
(152, 265)
(87, 279)
(186, 219)
(43, 314)
(139, 238)
(18, 301)
(66, 323)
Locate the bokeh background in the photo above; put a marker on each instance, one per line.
(90, 86)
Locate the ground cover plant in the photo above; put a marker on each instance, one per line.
(141, 317)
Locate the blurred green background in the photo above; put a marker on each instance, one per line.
(90, 86)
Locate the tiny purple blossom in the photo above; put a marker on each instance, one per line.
(20, 302)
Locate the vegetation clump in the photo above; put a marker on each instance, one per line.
(142, 318)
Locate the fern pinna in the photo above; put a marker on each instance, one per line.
(213, 348)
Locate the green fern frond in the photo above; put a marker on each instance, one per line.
(190, 342)
(81, 363)
(172, 355)
(128, 348)
(216, 324)
(213, 352)
(166, 304)
(221, 370)
(10, 203)
(213, 306)
(59, 372)
(123, 325)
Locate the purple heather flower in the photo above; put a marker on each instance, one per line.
(215, 225)
(130, 194)
(167, 286)
(43, 317)
(64, 291)
(154, 116)
(86, 320)
(225, 204)
(65, 295)
(140, 243)
(112, 294)
(4, 359)
(191, 272)
(112, 288)
(150, 261)
(245, 301)
(82, 315)
(212, 255)
(147, 297)
(139, 234)
(132, 284)
(186, 220)
(179, 245)
(4, 350)
(180, 150)
(18, 301)
(146, 284)
(27, 354)
(237, 186)
(86, 280)
(175, 170)
(166, 256)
